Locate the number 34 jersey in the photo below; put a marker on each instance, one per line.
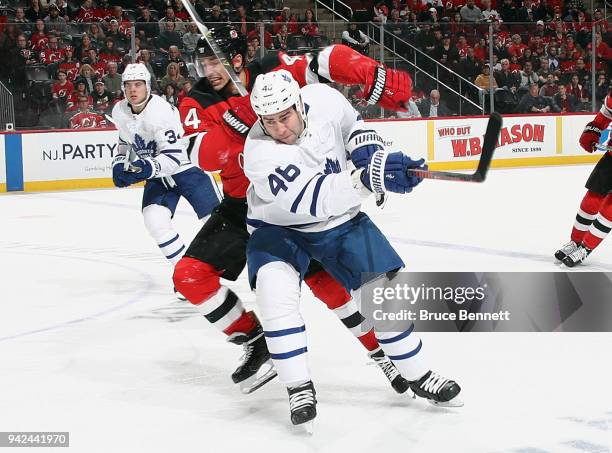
(155, 133)
(308, 185)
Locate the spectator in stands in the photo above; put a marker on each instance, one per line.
(39, 39)
(252, 54)
(543, 11)
(243, 23)
(483, 80)
(173, 76)
(517, 47)
(515, 66)
(446, 53)
(462, 45)
(470, 67)
(280, 40)
(102, 98)
(528, 77)
(21, 21)
(433, 106)
(500, 49)
(112, 80)
(550, 87)
(506, 78)
(169, 94)
(73, 98)
(145, 59)
(508, 11)
(99, 67)
(146, 27)
(528, 56)
(168, 38)
(413, 111)
(85, 14)
(174, 56)
(83, 49)
(488, 13)
(190, 38)
(53, 21)
(481, 50)
(285, 17)
(576, 89)
(380, 12)
(20, 57)
(61, 89)
(425, 39)
(121, 39)
(601, 88)
(355, 39)
(185, 89)
(96, 34)
(216, 17)
(254, 35)
(544, 71)
(85, 118)
(69, 65)
(170, 17)
(181, 13)
(86, 75)
(470, 12)
(309, 26)
(532, 102)
(109, 52)
(35, 11)
(565, 102)
(553, 58)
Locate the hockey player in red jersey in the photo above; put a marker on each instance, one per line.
(594, 218)
(218, 121)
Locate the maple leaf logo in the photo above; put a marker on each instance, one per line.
(142, 148)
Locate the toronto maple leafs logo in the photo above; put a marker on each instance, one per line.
(331, 166)
(142, 148)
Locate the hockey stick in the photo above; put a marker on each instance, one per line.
(603, 148)
(207, 35)
(488, 147)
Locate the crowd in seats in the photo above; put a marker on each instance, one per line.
(60, 54)
(543, 42)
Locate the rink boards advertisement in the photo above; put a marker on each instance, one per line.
(66, 159)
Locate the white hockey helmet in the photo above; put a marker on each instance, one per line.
(276, 91)
(136, 71)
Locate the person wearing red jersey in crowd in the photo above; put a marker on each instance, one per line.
(86, 118)
(39, 39)
(52, 53)
(98, 66)
(103, 11)
(285, 17)
(255, 35)
(72, 102)
(109, 52)
(85, 14)
(517, 47)
(69, 65)
(181, 13)
(309, 26)
(62, 88)
(462, 46)
(103, 100)
(594, 218)
(576, 89)
(218, 121)
(125, 26)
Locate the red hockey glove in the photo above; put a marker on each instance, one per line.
(388, 88)
(240, 117)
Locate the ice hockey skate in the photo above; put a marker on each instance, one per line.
(437, 390)
(399, 384)
(303, 405)
(256, 368)
(565, 250)
(577, 256)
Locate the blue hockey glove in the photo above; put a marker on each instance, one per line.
(140, 170)
(118, 164)
(391, 171)
(362, 144)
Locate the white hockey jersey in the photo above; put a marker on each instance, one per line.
(308, 185)
(155, 133)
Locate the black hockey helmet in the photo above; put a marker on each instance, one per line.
(228, 38)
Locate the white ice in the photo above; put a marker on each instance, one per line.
(93, 342)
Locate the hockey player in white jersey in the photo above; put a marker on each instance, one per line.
(150, 129)
(304, 203)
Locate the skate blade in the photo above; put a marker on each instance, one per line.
(308, 427)
(264, 375)
(455, 402)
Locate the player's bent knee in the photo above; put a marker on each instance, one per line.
(157, 219)
(327, 289)
(278, 290)
(196, 280)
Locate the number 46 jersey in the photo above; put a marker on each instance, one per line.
(155, 134)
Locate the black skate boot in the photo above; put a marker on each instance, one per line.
(565, 250)
(256, 368)
(577, 256)
(303, 404)
(399, 384)
(437, 389)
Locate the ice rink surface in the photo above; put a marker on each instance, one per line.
(93, 342)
